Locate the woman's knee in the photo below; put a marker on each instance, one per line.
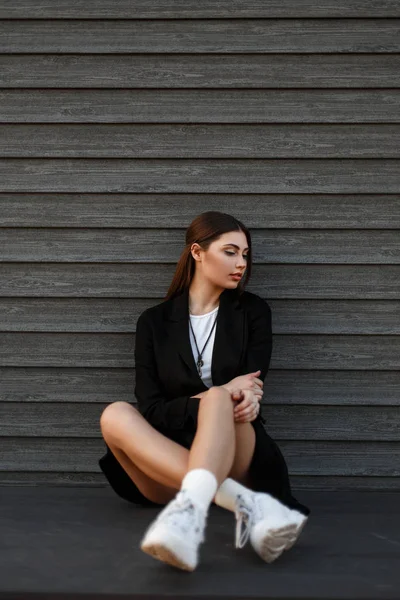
(216, 394)
(115, 414)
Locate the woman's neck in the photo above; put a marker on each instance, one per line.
(202, 301)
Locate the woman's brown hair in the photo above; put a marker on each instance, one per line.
(205, 229)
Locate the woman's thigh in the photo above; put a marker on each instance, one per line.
(162, 494)
(150, 473)
(148, 486)
(158, 457)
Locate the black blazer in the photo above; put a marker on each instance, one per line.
(166, 372)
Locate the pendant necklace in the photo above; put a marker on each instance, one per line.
(200, 361)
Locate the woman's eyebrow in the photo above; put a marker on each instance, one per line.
(234, 246)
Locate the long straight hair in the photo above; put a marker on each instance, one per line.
(205, 229)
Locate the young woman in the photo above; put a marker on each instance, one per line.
(201, 358)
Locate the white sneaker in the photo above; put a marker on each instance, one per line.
(174, 537)
(269, 524)
(301, 520)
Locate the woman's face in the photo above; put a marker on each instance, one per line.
(223, 258)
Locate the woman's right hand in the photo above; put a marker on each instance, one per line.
(250, 381)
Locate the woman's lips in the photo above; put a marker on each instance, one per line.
(236, 277)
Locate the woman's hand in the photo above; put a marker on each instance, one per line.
(247, 406)
(250, 381)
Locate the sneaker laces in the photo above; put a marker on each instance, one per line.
(244, 521)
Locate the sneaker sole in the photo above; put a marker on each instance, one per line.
(294, 539)
(161, 552)
(275, 541)
(165, 547)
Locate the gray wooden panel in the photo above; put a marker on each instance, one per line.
(282, 387)
(304, 458)
(119, 280)
(193, 106)
(312, 176)
(117, 350)
(332, 391)
(200, 71)
(159, 245)
(298, 482)
(312, 423)
(305, 211)
(159, 9)
(197, 36)
(108, 315)
(201, 141)
(67, 349)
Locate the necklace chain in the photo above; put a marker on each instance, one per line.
(200, 361)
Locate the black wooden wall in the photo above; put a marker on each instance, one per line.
(120, 122)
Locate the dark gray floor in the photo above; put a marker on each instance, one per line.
(66, 543)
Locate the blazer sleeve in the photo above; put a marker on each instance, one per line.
(259, 347)
(159, 411)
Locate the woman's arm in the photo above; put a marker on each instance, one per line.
(259, 346)
(159, 411)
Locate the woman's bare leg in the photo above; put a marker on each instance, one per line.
(157, 465)
(150, 488)
(213, 447)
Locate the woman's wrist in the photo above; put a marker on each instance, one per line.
(228, 387)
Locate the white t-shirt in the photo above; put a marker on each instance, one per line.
(202, 325)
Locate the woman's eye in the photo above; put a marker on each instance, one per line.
(232, 254)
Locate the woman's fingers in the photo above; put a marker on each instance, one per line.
(247, 409)
(247, 412)
(246, 418)
(242, 406)
(258, 394)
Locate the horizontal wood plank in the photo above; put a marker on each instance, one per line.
(200, 71)
(110, 315)
(118, 175)
(147, 280)
(282, 387)
(162, 245)
(179, 9)
(201, 36)
(303, 458)
(306, 423)
(305, 211)
(117, 350)
(193, 106)
(200, 141)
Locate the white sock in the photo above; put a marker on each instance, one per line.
(227, 493)
(201, 485)
(229, 490)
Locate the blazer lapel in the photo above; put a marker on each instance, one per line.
(229, 335)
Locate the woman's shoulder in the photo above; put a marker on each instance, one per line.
(154, 313)
(253, 302)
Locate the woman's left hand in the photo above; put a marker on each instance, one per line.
(247, 406)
